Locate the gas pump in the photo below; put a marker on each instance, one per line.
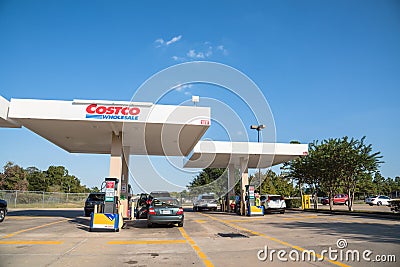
(109, 216)
(111, 198)
(252, 208)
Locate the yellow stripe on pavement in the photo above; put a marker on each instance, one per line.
(29, 242)
(196, 248)
(33, 228)
(145, 242)
(274, 239)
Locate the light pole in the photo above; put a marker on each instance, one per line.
(258, 128)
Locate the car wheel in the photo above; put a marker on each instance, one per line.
(282, 212)
(87, 214)
(379, 203)
(371, 204)
(149, 225)
(194, 209)
(180, 224)
(2, 214)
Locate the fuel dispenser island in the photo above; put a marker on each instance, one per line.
(108, 215)
(254, 206)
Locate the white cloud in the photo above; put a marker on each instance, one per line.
(223, 50)
(161, 42)
(176, 58)
(181, 87)
(192, 54)
(174, 40)
(209, 51)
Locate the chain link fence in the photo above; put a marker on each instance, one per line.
(38, 199)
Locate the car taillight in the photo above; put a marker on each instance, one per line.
(180, 211)
(148, 202)
(152, 211)
(268, 198)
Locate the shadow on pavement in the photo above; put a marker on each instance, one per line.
(368, 231)
(47, 213)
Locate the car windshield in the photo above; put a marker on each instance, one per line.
(96, 197)
(165, 202)
(160, 194)
(274, 198)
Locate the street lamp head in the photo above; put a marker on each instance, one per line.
(257, 127)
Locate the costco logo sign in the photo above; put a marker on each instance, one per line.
(95, 111)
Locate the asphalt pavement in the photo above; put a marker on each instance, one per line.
(62, 238)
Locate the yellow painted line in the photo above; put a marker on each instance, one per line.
(16, 217)
(196, 248)
(20, 218)
(275, 240)
(33, 228)
(200, 221)
(29, 242)
(145, 242)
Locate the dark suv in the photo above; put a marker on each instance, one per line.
(3, 209)
(93, 199)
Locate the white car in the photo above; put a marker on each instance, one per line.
(377, 200)
(273, 203)
(205, 201)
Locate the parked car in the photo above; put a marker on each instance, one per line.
(394, 205)
(3, 209)
(378, 200)
(205, 201)
(93, 199)
(273, 203)
(142, 206)
(165, 210)
(337, 199)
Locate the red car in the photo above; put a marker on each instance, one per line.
(337, 199)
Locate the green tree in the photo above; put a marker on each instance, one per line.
(207, 181)
(336, 164)
(36, 179)
(13, 177)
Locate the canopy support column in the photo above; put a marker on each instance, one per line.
(231, 185)
(244, 180)
(125, 173)
(116, 159)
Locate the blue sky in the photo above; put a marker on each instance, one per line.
(327, 68)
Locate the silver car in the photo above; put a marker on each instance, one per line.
(205, 201)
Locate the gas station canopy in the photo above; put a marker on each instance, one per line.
(218, 154)
(86, 126)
